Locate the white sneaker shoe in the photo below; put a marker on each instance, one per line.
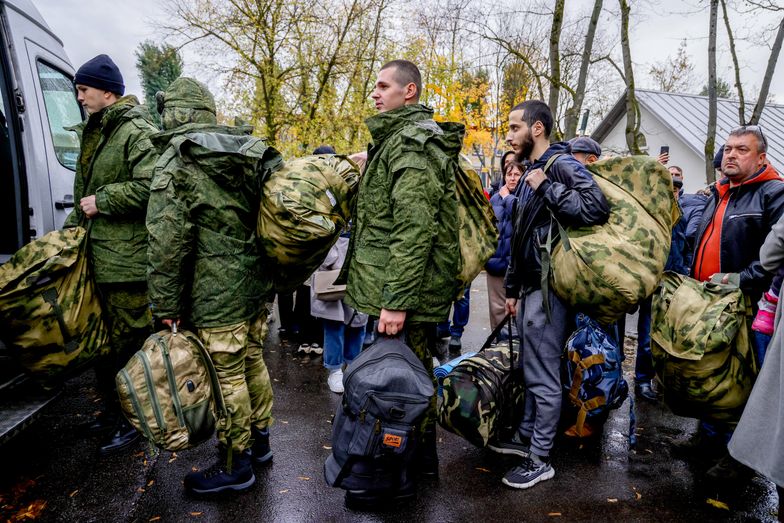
(335, 381)
(316, 349)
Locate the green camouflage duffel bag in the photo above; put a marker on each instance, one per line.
(304, 208)
(607, 269)
(701, 348)
(478, 235)
(483, 395)
(169, 391)
(50, 312)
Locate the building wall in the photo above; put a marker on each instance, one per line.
(657, 135)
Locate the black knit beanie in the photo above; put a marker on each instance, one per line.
(718, 158)
(102, 73)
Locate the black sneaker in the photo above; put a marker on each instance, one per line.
(123, 437)
(529, 473)
(261, 451)
(218, 478)
(645, 391)
(512, 447)
(455, 345)
(728, 470)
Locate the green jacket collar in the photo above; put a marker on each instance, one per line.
(125, 108)
(384, 124)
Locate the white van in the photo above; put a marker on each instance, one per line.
(37, 163)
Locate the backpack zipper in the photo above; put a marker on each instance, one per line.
(398, 356)
(156, 407)
(136, 404)
(172, 382)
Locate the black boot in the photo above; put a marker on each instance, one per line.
(237, 475)
(123, 436)
(100, 425)
(428, 454)
(261, 451)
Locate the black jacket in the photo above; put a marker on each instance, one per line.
(574, 199)
(753, 208)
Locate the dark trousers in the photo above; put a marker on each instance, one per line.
(643, 365)
(421, 338)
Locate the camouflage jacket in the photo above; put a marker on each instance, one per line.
(204, 262)
(115, 164)
(404, 252)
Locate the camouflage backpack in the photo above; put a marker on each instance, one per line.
(607, 269)
(304, 208)
(477, 232)
(483, 396)
(169, 391)
(701, 348)
(50, 312)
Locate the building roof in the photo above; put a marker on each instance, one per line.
(686, 115)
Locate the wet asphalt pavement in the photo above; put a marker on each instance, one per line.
(49, 473)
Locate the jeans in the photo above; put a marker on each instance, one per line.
(643, 367)
(342, 343)
(460, 310)
(760, 344)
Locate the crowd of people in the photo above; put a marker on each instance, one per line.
(171, 246)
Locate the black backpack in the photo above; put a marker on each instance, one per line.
(374, 433)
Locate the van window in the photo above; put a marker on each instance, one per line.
(62, 111)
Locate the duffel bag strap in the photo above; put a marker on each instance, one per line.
(69, 343)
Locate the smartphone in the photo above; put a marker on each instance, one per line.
(665, 149)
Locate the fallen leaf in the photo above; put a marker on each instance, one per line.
(139, 454)
(716, 503)
(154, 518)
(140, 489)
(72, 494)
(144, 462)
(326, 447)
(482, 469)
(637, 496)
(194, 469)
(151, 483)
(284, 422)
(303, 478)
(648, 451)
(283, 491)
(173, 458)
(275, 380)
(196, 513)
(554, 514)
(612, 500)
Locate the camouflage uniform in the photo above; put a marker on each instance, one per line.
(204, 261)
(115, 164)
(404, 252)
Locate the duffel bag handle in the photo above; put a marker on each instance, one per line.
(507, 321)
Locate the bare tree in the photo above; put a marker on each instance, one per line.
(555, 58)
(632, 107)
(573, 112)
(735, 65)
(771, 68)
(710, 140)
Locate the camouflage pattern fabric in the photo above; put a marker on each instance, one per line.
(482, 397)
(50, 312)
(236, 352)
(478, 235)
(115, 164)
(701, 348)
(607, 269)
(169, 391)
(304, 208)
(204, 259)
(186, 101)
(404, 250)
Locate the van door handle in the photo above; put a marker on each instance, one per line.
(66, 203)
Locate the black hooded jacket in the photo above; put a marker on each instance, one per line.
(573, 198)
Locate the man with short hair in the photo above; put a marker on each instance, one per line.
(111, 188)
(566, 193)
(403, 257)
(742, 208)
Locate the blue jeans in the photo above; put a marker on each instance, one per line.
(461, 308)
(341, 343)
(760, 344)
(643, 366)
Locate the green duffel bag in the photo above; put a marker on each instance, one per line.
(605, 270)
(483, 395)
(304, 208)
(169, 391)
(50, 312)
(701, 349)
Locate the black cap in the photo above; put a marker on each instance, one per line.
(584, 144)
(101, 73)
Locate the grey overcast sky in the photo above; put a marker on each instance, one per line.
(91, 27)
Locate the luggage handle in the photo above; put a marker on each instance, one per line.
(503, 323)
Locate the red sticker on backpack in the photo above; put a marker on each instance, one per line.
(390, 440)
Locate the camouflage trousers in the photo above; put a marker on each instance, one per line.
(236, 352)
(126, 310)
(421, 338)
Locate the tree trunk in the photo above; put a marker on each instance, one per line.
(710, 140)
(774, 56)
(555, 57)
(735, 65)
(632, 108)
(573, 113)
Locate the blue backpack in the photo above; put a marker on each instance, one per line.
(594, 378)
